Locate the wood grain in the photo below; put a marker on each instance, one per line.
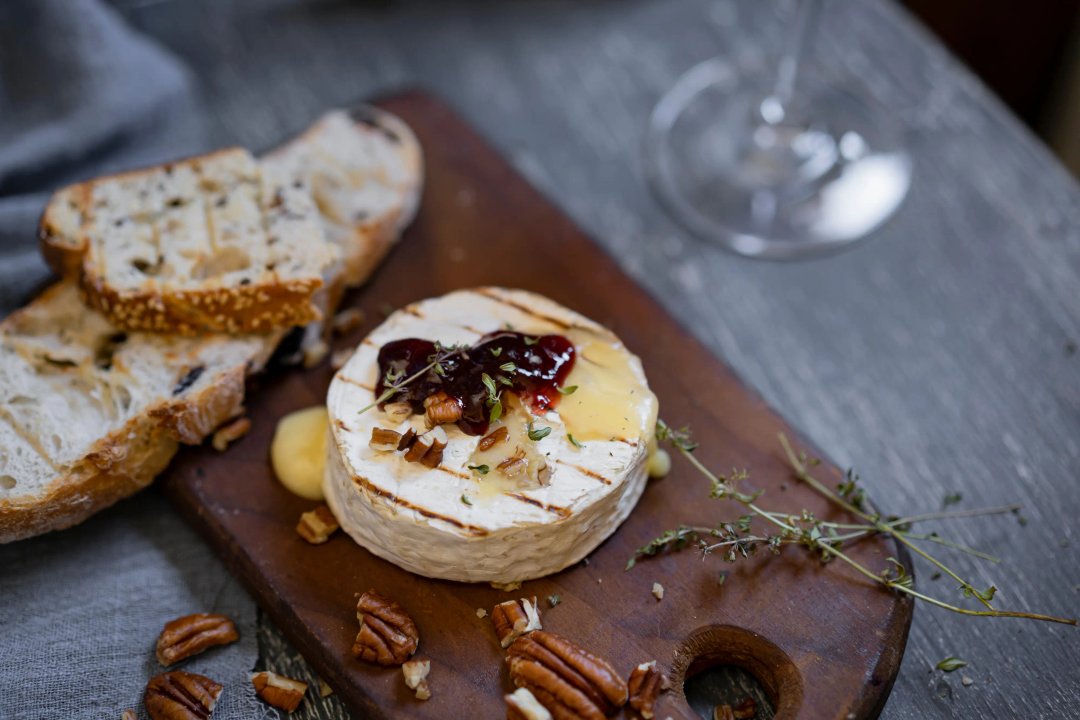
(824, 641)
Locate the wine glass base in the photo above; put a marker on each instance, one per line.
(733, 168)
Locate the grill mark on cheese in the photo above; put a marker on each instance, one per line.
(584, 471)
(455, 473)
(631, 443)
(366, 484)
(369, 342)
(554, 509)
(523, 308)
(357, 383)
(341, 424)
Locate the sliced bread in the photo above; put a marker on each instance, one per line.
(214, 243)
(90, 413)
(365, 170)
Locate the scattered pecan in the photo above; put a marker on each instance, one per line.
(419, 448)
(192, 634)
(416, 672)
(658, 591)
(407, 440)
(523, 705)
(384, 440)
(645, 684)
(488, 441)
(230, 433)
(568, 680)
(314, 354)
(387, 634)
(347, 320)
(316, 526)
(282, 692)
(398, 411)
(180, 695)
(434, 455)
(441, 409)
(745, 710)
(514, 618)
(324, 689)
(128, 715)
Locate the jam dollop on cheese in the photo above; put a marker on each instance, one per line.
(533, 367)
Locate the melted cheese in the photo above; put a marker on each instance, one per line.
(298, 451)
(507, 530)
(612, 400)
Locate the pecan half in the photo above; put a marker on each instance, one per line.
(192, 634)
(523, 705)
(387, 634)
(514, 618)
(316, 526)
(441, 409)
(180, 695)
(230, 433)
(488, 441)
(282, 692)
(568, 680)
(646, 682)
(416, 672)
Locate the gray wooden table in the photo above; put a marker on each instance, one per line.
(939, 357)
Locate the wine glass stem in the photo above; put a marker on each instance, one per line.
(800, 38)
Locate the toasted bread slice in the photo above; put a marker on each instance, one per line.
(90, 413)
(365, 170)
(214, 243)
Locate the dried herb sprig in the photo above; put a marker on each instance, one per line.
(395, 383)
(825, 538)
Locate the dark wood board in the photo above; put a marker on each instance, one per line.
(826, 642)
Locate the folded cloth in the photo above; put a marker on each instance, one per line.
(81, 93)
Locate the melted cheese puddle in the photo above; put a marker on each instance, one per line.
(610, 402)
(298, 451)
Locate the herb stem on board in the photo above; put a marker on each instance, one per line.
(823, 537)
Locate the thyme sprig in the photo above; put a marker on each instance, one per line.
(395, 383)
(826, 539)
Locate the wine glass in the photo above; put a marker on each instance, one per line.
(773, 164)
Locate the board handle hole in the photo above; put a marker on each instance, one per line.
(718, 661)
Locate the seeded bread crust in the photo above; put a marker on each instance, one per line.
(127, 455)
(263, 301)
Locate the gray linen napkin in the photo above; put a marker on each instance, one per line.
(80, 610)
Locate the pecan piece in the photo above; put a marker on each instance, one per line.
(489, 440)
(179, 695)
(416, 672)
(441, 409)
(347, 320)
(419, 448)
(387, 634)
(523, 705)
(192, 634)
(316, 526)
(398, 411)
(568, 680)
(384, 440)
(129, 714)
(282, 692)
(434, 455)
(230, 433)
(514, 618)
(646, 682)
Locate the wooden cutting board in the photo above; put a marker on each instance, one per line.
(825, 642)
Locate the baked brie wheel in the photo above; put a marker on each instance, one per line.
(453, 487)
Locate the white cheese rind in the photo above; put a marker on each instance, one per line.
(415, 517)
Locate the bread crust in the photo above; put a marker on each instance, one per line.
(242, 310)
(124, 461)
(129, 458)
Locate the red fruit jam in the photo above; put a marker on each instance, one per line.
(532, 367)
